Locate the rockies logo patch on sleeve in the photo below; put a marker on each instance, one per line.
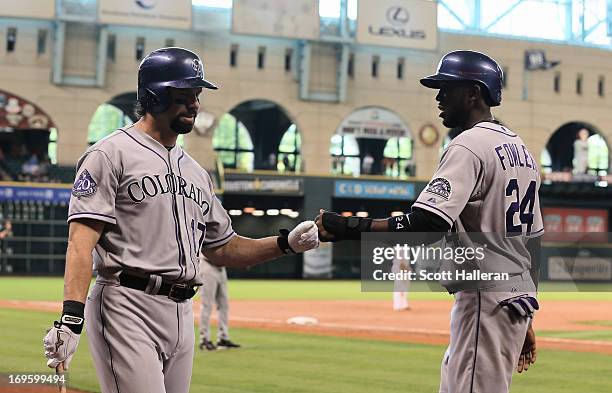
(440, 187)
(84, 185)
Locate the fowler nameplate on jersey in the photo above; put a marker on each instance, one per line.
(174, 14)
(398, 23)
(278, 18)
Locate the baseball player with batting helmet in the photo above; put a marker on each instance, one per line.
(145, 209)
(487, 182)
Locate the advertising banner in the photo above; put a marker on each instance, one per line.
(174, 14)
(374, 190)
(318, 262)
(55, 195)
(565, 224)
(373, 122)
(579, 268)
(398, 23)
(277, 18)
(264, 185)
(34, 9)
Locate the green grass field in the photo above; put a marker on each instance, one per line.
(50, 289)
(290, 362)
(595, 335)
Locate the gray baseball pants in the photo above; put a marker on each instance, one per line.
(140, 343)
(485, 344)
(214, 291)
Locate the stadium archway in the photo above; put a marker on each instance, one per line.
(258, 134)
(28, 139)
(373, 140)
(117, 112)
(576, 148)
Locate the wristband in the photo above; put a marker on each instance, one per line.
(73, 313)
(345, 228)
(399, 223)
(283, 242)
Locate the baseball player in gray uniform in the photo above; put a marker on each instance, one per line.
(214, 292)
(145, 210)
(484, 192)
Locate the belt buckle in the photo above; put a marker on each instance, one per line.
(178, 292)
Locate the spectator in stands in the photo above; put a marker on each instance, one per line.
(581, 152)
(272, 161)
(367, 163)
(35, 170)
(6, 228)
(388, 166)
(43, 171)
(6, 231)
(407, 168)
(5, 173)
(287, 164)
(30, 168)
(338, 164)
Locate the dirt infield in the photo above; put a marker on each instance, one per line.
(426, 322)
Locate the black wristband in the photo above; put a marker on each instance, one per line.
(283, 242)
(345, 228)
(399, 223)
(73, 314)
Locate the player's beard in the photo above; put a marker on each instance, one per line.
(181, 127)
(455, 117)
(451, 121)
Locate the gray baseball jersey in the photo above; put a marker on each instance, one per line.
(160, 204)
(487, 182)
(160, 210)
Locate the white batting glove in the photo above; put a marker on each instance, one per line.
(304, 237)
(60, 344)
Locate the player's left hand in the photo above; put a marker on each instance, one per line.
(324, 236)
(304, 237)
(528, 353)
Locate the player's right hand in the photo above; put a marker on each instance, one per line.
(528, 353)
(60, 344)
(303, 237)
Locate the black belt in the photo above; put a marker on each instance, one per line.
(155, 285)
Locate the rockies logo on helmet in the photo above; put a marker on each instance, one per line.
(196, 64)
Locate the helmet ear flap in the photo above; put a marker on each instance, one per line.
(151, 100)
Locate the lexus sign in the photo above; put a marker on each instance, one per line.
(398, 16)
(398, 23)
